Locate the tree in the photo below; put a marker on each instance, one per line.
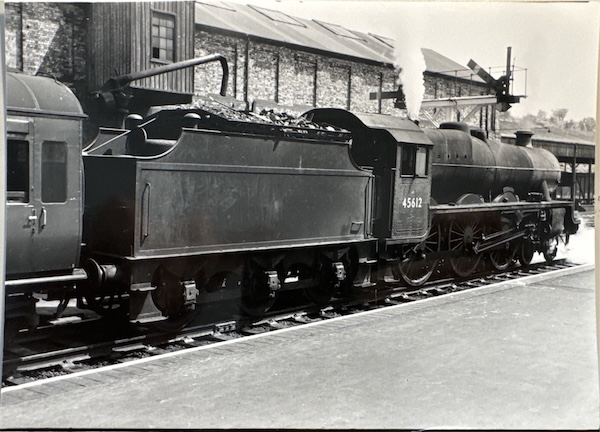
(588, 124)
(541, 117)
(558, 115)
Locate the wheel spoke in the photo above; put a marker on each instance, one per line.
(416, 271)
(502, 259)
(461, 236)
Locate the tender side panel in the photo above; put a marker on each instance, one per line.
(221, 192)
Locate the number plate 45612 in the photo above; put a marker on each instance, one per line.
(414, 202)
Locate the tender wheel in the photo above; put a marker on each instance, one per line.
(502, 258)
(461, 238)
(171, 297)
(415, 271)
(325, 284)
(258, 292)
(525, 252)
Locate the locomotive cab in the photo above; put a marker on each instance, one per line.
(43, 182)
(399, 154)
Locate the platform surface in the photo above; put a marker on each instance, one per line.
(511, 357)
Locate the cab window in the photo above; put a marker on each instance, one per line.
(17, 176)
(414, 161)
(54, 171)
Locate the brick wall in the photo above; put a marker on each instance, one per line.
(291, 77)
(47, 38)
(295, 77)
(440, 87)
(50, 38)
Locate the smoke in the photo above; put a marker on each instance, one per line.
(580, 249)
(411, 65)
(409, 60)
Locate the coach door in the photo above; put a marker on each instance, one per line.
(43, 196)
(412, 191)
(19, 239)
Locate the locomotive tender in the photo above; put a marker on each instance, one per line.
(200, 203)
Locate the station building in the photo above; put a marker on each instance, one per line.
(274, 58)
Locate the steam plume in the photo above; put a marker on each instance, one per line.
(409, 59)
(580, 249)
(411, 64)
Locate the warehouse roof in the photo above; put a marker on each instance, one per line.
(312, 35)
(437, 63)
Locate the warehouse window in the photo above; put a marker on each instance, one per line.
(54, 171)
(163, 36)
(17, 176)
(414, 161)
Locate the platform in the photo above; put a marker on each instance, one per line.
(513, 356)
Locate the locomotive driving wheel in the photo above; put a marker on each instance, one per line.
(503, 255)
(416, 271)
(502, 258)
(462, 236)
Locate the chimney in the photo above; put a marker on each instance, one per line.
(523, 138)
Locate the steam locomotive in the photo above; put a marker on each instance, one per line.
(199, 203)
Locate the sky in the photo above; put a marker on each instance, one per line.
(557, 43)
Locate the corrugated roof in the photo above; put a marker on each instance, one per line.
(437, 63)
(269, 25)
(314, 35)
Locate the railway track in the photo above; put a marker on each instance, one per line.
(65, 352)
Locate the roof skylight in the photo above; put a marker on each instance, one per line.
(339, 30)
(216, 3)
(277, 16)
(388, 41)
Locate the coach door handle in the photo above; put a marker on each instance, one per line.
(43, 218)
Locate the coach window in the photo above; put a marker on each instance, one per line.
(414, 161)
(54, 172)
(163, 37)
(17, 176)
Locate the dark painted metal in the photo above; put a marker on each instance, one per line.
(217, 193)
(464, 164)
(117, 98)
(401, 205)
(123, 80)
